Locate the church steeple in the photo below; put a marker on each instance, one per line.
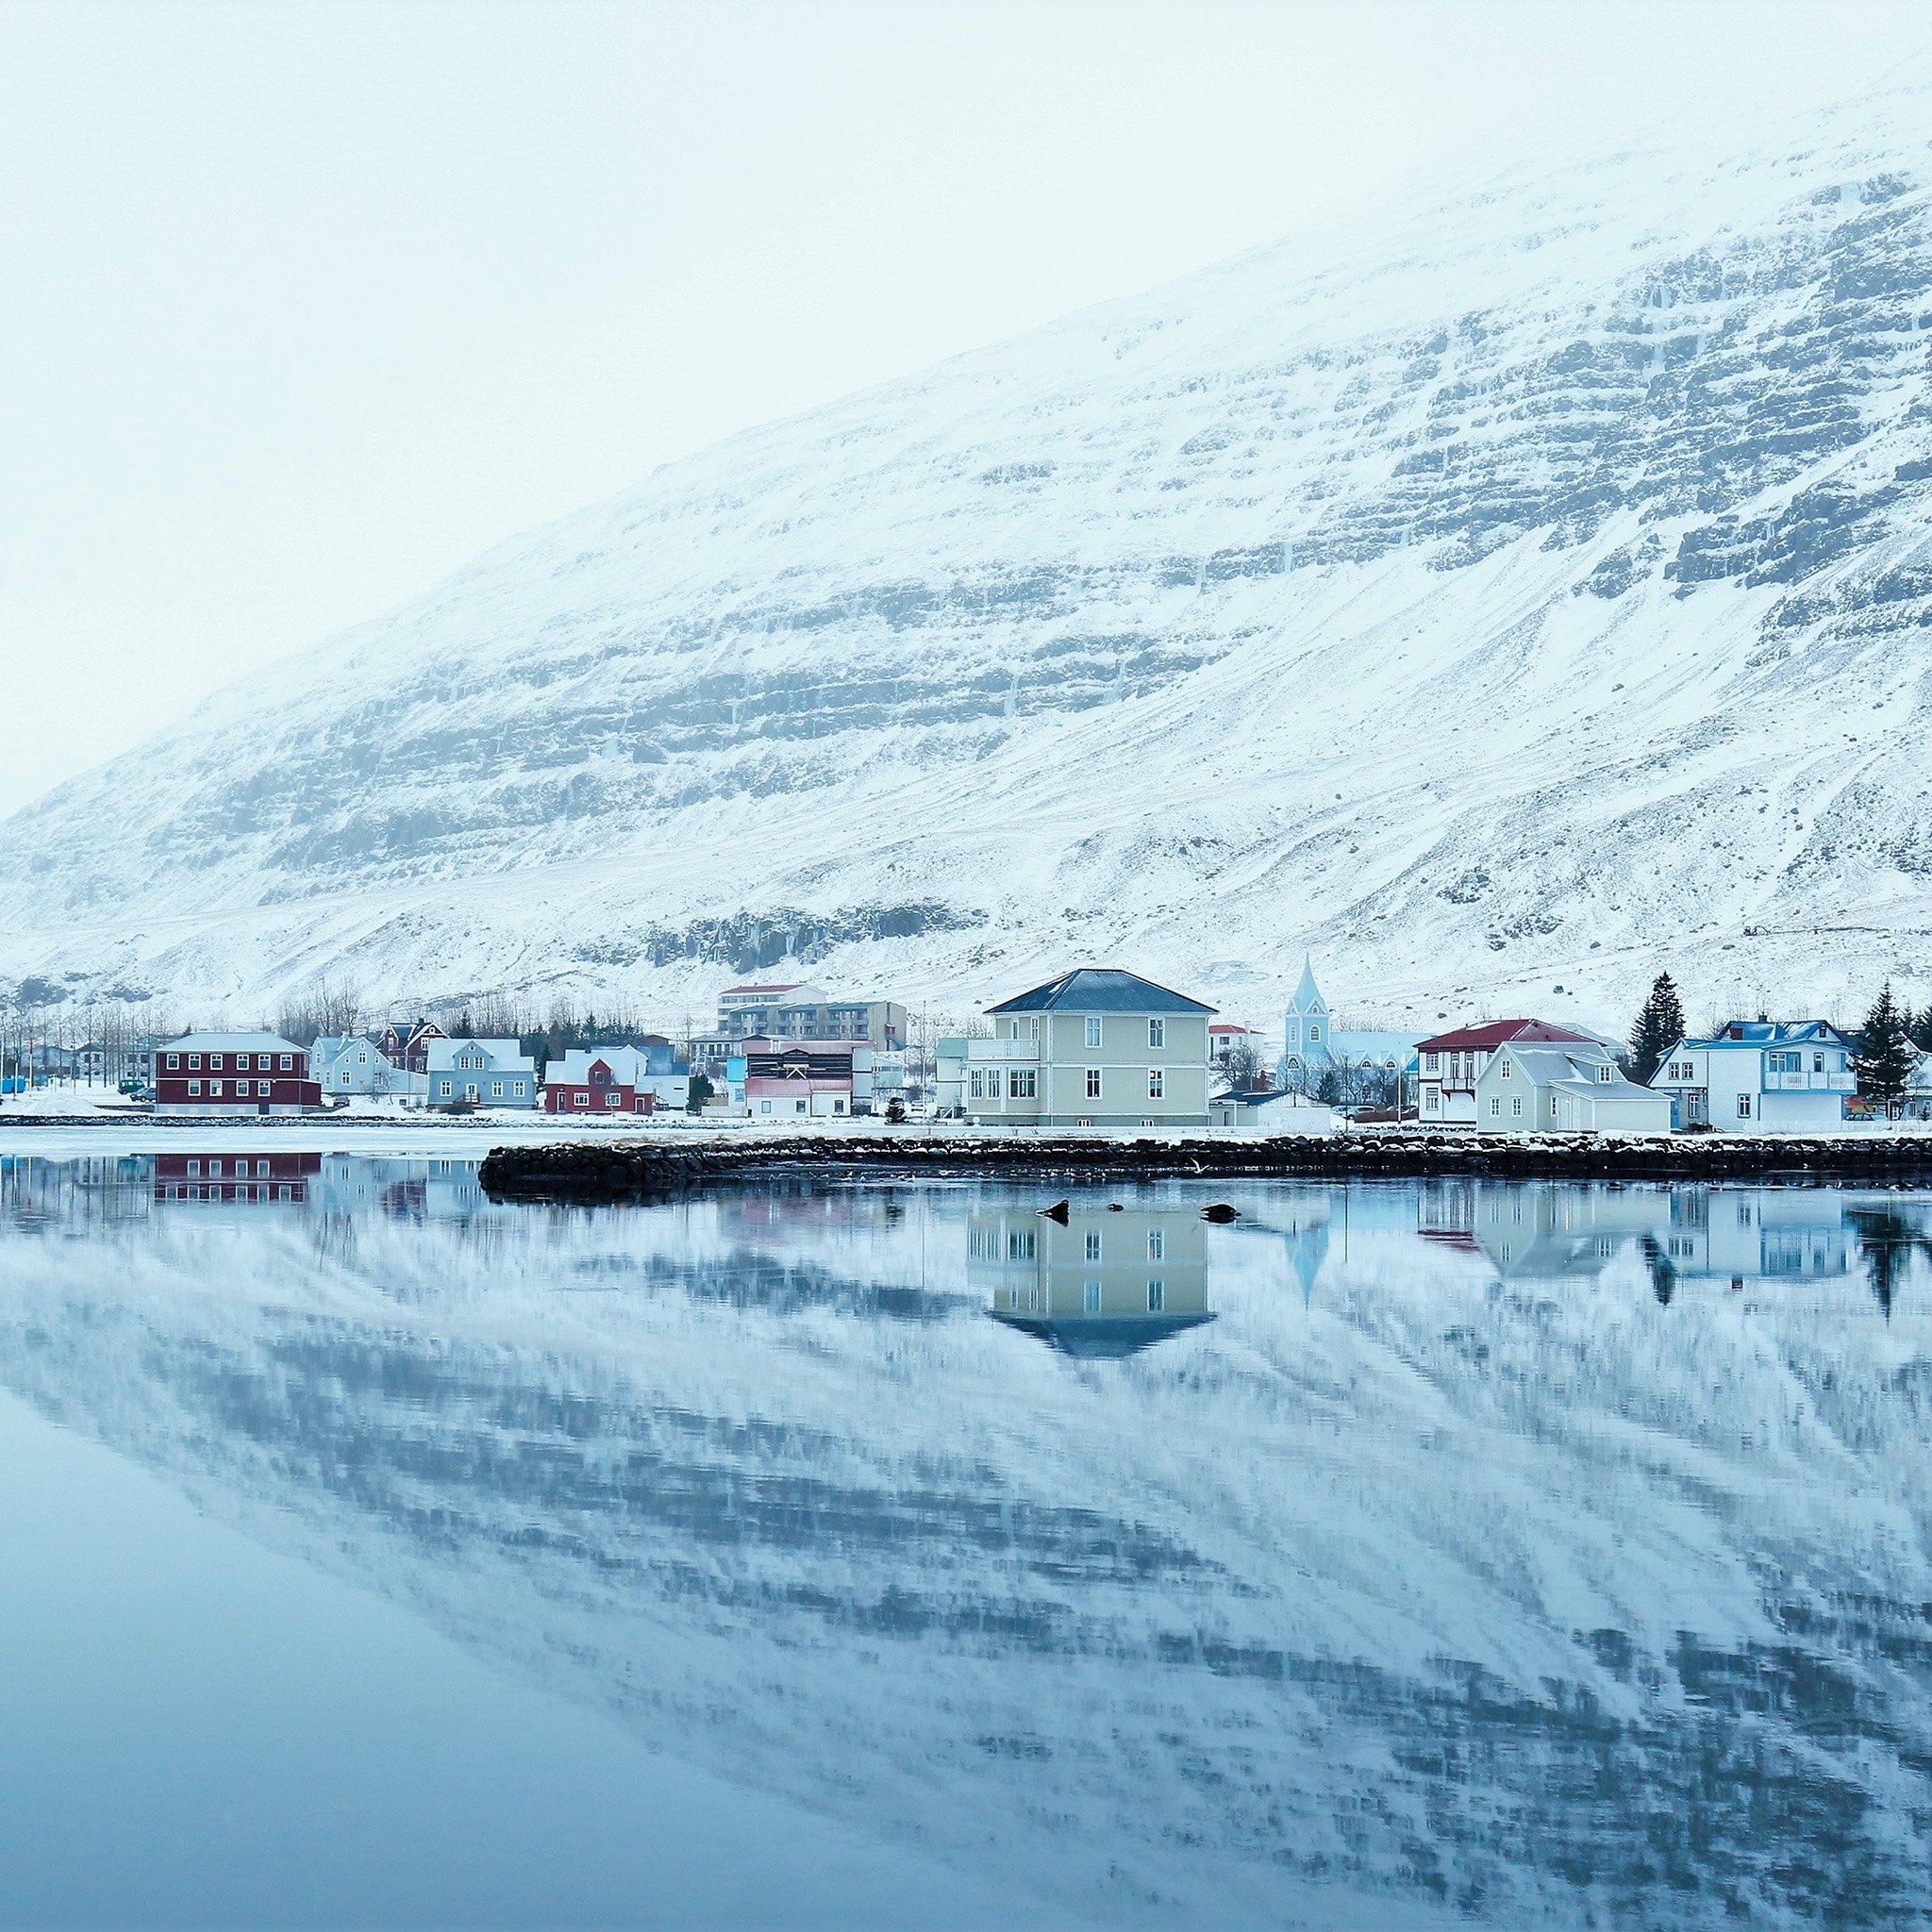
(1306, 1033)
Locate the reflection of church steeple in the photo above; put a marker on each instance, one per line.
(1307, 1248)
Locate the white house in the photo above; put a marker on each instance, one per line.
(480, 1073)
(346, 1063)
(1450, 1064)
(1564, 1088)
(1769, 1075)
(1270, 1115)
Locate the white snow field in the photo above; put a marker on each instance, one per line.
(1529, 592)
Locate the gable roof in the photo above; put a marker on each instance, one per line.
(501, 1055)
(1100, 989)
(1492, 1033)
(1308, 993)
(238, 1042)
(1771, 1033)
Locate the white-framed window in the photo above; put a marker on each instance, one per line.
(580, 1099)
(194, 1089)
(1156, 1244)
(1743, 1107)
(214, 1090)
(193, 1059)
(288, 1061)
(1432, 1062)
(496, 1090)
(1023, 1244)
(448, 1087)
(1432, 1098)
(976, 1085)
(1553, 1107)
(765, 1107)
(611, 1099)
(838, 1105)
(1093, 1083)
(173, 1061)
(1516, 1107)
(1156, 1083)
(1503, 1072)
(1818, 1063)
(262, 1170)
(1157, 1033)
(261, 1088)
(1604, 1075)
(1314, 1032)
(1495, 1107)
(1092, 1029)
(193, 1168)
(1023, 1083)
(1157, 1295)
(1093, 1245)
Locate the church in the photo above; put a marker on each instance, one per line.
(1312, 1045)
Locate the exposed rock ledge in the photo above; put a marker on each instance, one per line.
(619, 1170)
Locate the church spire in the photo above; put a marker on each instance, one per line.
(1307, 995)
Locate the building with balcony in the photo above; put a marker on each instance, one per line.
(1094, 1048)
(1760, 1076)
(791, 1010)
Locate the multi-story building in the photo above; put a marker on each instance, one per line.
(407, 1045)
(1777, 1076)
(224, 1074)
(1094, 1048)
(1450, 1064)
(1313, 1045)
(345, 1064)
(478, 1073)
(791, 1010)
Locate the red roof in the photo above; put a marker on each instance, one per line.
(1228, 1026)
(787, 986)
(1492, 1033)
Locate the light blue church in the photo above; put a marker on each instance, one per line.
(1312, 1045)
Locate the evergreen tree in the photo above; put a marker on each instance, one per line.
(1922, 1031)
(1658, 1027)
(1885, 1057)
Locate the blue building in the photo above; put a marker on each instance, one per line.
(1313, 1045)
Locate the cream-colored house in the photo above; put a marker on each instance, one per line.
(1095, 1048)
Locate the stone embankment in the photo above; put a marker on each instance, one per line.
(623, 1170)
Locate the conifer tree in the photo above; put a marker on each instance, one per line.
(1660, 1027)
(1885, 1057)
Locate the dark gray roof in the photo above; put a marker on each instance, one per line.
(1101, 1337)
(1101, 990)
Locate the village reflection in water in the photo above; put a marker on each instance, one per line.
(1465, 1552)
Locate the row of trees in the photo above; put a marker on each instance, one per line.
(1886, 1048)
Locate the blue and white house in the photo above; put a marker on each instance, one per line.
(480, 1073)
(345, 1064)
(1313, 1045)
(1760, 1076)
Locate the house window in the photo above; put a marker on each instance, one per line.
(1023, 1083)
(193, 1059)
(173, 1061)
(262, 1170)
(765, 1107)
(261, 1088)
(1157, 1295)
(584, 1100)
(214, 1060)
(1553, 1107)
(1496, 1107)
(1093, 1245)
(1516, 1108)
(1743, 1107)
(1818, 1063)
(193, 1168)
(1092, 1029)
(1432, 1099)
(1157, 1033)
(1314, 1032)
(611, 1099)
(1156, 1084)
(1093, 1083)
(1021, 1244)
(496, 1090)
(214, 1090)
(194, 1089)
(1604, 1075)
(1156, 1244)
(977, 1085)
(448, 1087)
(1432, 1062)
(1503, 1072)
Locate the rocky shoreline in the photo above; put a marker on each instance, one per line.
(634, 1170)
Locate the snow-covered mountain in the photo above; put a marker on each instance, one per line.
(1530, 591)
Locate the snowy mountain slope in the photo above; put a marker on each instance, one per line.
(1532, 589)
(1528, 1601)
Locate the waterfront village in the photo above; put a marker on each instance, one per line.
(1098, 1048)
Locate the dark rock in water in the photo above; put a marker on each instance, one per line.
(1115, 1208)
(1057, 1212)
(1220, 1211)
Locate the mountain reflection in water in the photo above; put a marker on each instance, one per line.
(1396, 1556)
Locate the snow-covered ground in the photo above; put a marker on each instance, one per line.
(1504, 602)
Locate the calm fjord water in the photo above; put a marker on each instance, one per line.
(1408, 1556)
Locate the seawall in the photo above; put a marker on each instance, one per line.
(635, 1170)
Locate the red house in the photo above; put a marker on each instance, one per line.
(408, 1046)
(227, 1074)
(234, 1176)
(596, 1080)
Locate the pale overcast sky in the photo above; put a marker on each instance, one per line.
(304, 305)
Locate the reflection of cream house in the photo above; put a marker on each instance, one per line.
(1094, 1048)
(1564, 1088)
(1104, 1283)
